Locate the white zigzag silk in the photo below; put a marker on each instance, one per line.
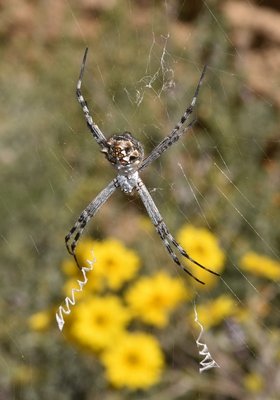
(71, 301)
(208, 362)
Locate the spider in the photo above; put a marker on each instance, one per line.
(126, 154)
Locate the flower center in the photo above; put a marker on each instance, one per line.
(132, 359)
(200, 249)
(100, 320)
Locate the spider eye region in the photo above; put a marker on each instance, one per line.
(124, 152)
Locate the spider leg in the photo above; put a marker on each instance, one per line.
(96, 132)
(163, 232)
(85, 216)
(183, 252)
(177, 132)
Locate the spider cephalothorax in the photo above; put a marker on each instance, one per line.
(124, 152)
(127, 156)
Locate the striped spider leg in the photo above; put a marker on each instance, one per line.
(164, 233)
(85, 216)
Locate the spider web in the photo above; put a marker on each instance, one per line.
(159, 81)
(179, 178)
(166, 74)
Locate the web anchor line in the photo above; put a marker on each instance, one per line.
(71, 301)
(208, 362)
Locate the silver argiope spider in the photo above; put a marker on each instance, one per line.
(126, 154)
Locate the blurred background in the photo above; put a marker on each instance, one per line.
(132, 333)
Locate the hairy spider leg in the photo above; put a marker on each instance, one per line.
(163, 231)
(86, 215)
(96, 132)
(177, 132)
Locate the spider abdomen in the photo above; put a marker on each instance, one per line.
(124, 152)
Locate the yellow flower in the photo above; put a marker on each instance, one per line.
(73, 284)
(97, 322)
(253, 382)
(40, 321)
(151, 299)
(203, 247)
(94, 284)
(260, 265)
(85, 253)
(69, 267)
(214, 312)
(87, 260)
(135, 361)
(115, 263)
